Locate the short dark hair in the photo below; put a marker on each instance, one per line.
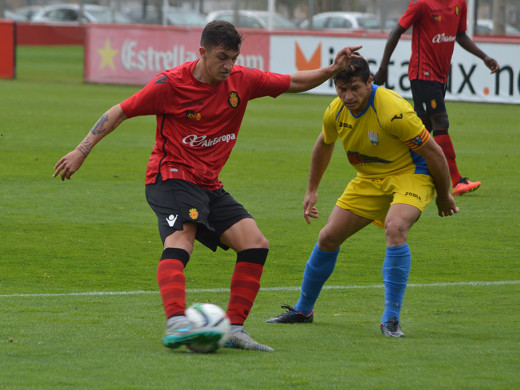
(219, 32)
(358, 67)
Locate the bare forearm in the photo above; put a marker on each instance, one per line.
(105, 125)
(382, 73)
(440, 172)
(320, 159)
(391, 43)
(438, 166)
(307, 79)
(467, 44)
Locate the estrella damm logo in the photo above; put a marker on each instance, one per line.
(192, 115)
(457, 10)
(433, 103)
(233, 99)
(194, 214)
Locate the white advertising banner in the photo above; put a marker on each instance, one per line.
(470, 79)
(116, 54)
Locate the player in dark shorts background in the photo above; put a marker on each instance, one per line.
(199, 107)
(437, 25)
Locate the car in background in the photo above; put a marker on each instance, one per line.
(71, 14)
(485, 27)
(343, 21)
(253, 19)
(10, 15)
(174, 16)
(27, 12)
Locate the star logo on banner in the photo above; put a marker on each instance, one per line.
(107, 55)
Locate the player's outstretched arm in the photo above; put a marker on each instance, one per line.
(320, 159)
(438, 167)
(307, 79)
(71, 162)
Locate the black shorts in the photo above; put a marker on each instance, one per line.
(428, 97)
(176, 202)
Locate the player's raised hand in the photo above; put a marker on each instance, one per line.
(344, 56)
(446, 206)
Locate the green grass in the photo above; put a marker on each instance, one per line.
(95, 233)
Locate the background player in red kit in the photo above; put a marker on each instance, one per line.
(437, 24)
(199, 108)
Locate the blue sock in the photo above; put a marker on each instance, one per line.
(317, 270)
(396, 269)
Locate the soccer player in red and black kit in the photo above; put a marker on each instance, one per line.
(437, 24)
(199, 108)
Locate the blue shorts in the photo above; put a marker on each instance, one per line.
(371, 198)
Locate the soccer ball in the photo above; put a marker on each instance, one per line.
(211, 318)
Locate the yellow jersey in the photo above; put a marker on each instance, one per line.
(381, 140)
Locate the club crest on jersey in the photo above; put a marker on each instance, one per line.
(373, 137)
(457, 10)
(194, 214)
(433, 103)
(233, 99)
(192, 115)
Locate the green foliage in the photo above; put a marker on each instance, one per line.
(63, 243)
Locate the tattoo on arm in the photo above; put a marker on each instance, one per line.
(98, 127)
(85, 146)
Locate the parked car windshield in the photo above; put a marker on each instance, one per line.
(185, 18)
(369, 23)
(107, 16)
(278, 21)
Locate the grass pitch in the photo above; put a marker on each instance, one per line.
(79, 306)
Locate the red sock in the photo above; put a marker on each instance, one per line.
(172, 285)
(444, 140)
(245, 284)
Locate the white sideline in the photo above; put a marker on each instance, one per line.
(224, 290)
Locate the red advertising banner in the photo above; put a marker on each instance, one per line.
(134, 55)
(7, 49)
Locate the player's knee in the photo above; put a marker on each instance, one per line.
(396, 233)
(262, 242)
(328, 242)
(440, 121)
(256, 241)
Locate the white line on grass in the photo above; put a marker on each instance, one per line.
(223, 290)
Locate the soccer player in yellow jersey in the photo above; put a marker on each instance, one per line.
(399, 170)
